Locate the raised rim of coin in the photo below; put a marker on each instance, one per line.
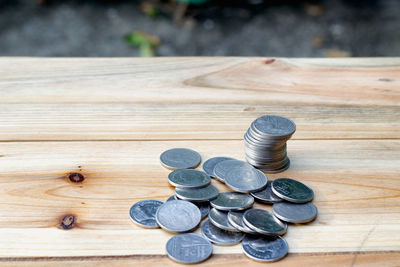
(188, 178)
(208, 165)
(180, 158)
(265, 249)
(220, 220)
(232, 201)
(235, 218)
(266, 195)
(264, 222)
(292, 190)
(197, 194)
(178, 216)
(178, 248)
(219, 236)
(295, 212)
(143, 213)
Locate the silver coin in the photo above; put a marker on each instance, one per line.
(219, 236)
(197, 194)
(188, 248)
(204, 207)
(232, 201)
(283, 168)
(266, 195)
(180, 158)
(264, 222)
(235, 218)
(172, 198)
(275, 126)
(188, 178)
(178, 216)
(294, 212)
(144, 212)
(265, 249)
(220, 220)
(208, 165)
(292, 190)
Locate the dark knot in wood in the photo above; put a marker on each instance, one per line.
(68, 221)
(76, 177)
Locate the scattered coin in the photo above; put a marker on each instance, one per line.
(143, 212)
(266, 195)
(263, 248)
(178, 216)
(294, 212)
(219, 236)
(204, 207)
(220, 220)
(292, 190)
(264, 222)
(188, 248)
(180, 158)
(209, 165)
(235, 218)
(197, 194)
(188, 178)
(232, 201)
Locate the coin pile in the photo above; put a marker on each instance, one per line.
(231, 218)
(265, 143)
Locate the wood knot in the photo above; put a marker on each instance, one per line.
(68, 221)
(76, 177)
(269, 61)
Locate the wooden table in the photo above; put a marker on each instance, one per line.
(109, 120)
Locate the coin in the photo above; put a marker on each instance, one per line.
(180, 158)
(294, 212)
(172, 198)
(197, 194)
(143, 212)
(208, 165)
(178, 216)
(220, 219)
(273, 125)
(188, 178)
(263, 248)
(266, 195)
(235, 218)
(292, 190)
(188, 248)
(219, 236)
(232, 201)
(204, 208)
(264, 222)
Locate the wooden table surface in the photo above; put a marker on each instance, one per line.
(109, 120)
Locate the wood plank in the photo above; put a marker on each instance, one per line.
(248, 81)
(21, 122)
(356, 184)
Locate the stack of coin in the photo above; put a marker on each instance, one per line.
(265, 143)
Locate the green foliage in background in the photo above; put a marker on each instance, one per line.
(145, 42)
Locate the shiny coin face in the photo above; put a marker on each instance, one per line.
(204, 207)
(263, 248)
(188, 178)
(294, 212)
(180, 158)
(178, 216)
(188, 248)
(232, 201)
(197, 194)
(264, 222)
(275, 126)
(209, 165)
(219, 236)
(292, 190)
(266, 195)
(220, 220)
(144, 212)
(235, 218)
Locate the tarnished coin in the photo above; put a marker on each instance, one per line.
(235, 218)
(188, 248)
(264, 222)
(178, 216)
(197, 194)
(220, 220)
(204, 208)
(188, 178)
(263, 248)
(266, 195)
(232, 201)
(208, 165)
(144, 212)
(219, 236)
(294, 212)
(180, 158)
(292, 190)
(275, 126)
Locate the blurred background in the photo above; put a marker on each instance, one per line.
(119, 28)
